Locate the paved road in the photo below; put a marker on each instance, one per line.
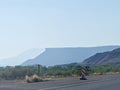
(102, 82)
(108, 84)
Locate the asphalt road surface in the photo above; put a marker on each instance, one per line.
(102, 82)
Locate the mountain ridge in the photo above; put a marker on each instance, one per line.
(57, 56)
(17, 60)
(106, 58)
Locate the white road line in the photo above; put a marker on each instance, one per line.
(77, 84)
(51, 88)
(65, 86)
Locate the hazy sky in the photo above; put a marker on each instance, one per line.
(26, 24)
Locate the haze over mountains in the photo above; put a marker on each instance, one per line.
(57, 56)
(106, 58)
(17, 60)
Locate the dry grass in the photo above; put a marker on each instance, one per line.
(34, 78)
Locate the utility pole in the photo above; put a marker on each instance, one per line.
(38, 69)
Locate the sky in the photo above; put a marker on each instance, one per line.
(26, 24)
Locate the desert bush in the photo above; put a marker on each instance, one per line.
(34, 78)
(27, 79)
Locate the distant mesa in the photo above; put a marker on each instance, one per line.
(56, 56)
(59, 56)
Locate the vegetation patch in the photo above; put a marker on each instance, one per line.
(34, 78)
(30, 73)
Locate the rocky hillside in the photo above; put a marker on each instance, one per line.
(106, 58)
